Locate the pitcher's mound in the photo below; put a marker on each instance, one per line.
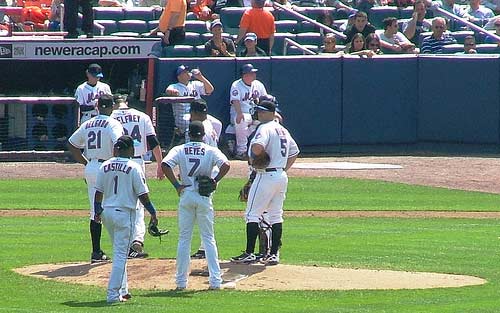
(159, 274)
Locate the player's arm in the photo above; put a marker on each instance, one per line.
(290, 161)
(169, 173)
(237, 107)
(148, 205)
(207, 85)
(98, 206)
(77, 154)
(171, 91)
(223, 169)
(154, 146)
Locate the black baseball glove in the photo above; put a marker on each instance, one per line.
(261, 161)
(206, 185)
(154, 231)
(245, 190)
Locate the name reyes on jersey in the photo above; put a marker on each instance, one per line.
(194, 151)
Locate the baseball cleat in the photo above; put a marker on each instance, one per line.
(272, 259)
(200, 254)
(214, 288)
(132, 254)
(244, 258)
(99, 257)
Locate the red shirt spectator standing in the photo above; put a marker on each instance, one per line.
(261, 22)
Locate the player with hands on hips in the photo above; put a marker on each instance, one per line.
(190, 83)
(244, 92)
(120, 183)
(87, 93)
(267, 192)
(96, 137)
(195, 159)
(139, 126)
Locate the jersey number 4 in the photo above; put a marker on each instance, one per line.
(135, 133)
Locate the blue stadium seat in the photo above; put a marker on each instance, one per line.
(200, 51)
(231, 16)
(293, 50)
(131, 28)
(453, 48)
(190, 16)
(279, 39)
(108, 13)
(306, 27)
(460, 35)
(488, 48)
(153, 24)
(377, 14)
(110, 26)
(199, 27)
(179, 51)
(140, 13)
(192, 39)
(286, 26)
(315, 12)
(405, 13)
(309, 39)
(158, 12)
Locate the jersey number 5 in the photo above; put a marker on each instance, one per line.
(283, 146)
(94, 140)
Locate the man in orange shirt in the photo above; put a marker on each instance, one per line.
(172, 22)
(261, 22)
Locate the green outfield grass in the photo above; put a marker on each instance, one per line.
(463, 246)
(304, 194)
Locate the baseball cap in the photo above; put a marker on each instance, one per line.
(248, 68)
(251, 36)
(120, 97)
(196, 129)
(199, 105)
(95, 70)
(215, 23)
(181, 68)
(124, 142)
(266, 105)
(105, 101)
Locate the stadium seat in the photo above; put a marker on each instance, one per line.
(192, 39)
(179, 51)
(200, 51)
(421, 37)
(405, 13)
(488, 48)
(315, 12)
(140, 13)
(131, 28)
(309, 39)
(377, 14)
(152, 24)
(306, 27)
(284, 15)
(108, 13)
(453, 48)
(286, 26)
(199, 27)
(190, 16)
(460, 35)
(158, 12)
(231, 16)
(279, 39)
(110, 26)
(207, 36)
(293, 50)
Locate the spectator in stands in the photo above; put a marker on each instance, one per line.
(435, 42)
(325, 18)
(55, 15)
(493, 5)
(360, 25)
(357, 47)
(172, 22)
(478, 13)
(451, 7)
(71, 18)
(203, 10)
(261, 22)
(393, 41)
(418, 23)
(490, 39)
(372, 42)
(469, 45)
(251, 48)
(329, 44)
(219, 46)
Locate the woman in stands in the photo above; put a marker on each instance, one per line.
(357, 47)
(372, 42)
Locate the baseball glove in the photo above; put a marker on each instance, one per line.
(154, 231)
(261, 161)
(206, 185)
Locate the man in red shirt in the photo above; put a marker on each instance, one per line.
(261, 22)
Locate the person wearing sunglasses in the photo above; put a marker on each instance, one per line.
(469, 45)
(372, 42)
(439, 38)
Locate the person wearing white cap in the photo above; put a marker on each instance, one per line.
(87, 93)
(219, 46)
(251, 48)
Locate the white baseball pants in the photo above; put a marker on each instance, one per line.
(91, 170)
(139, 226)
(242, 131)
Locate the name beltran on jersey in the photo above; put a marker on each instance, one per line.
(194, 150)
(117, 167)
(97, 123)
(128, 119)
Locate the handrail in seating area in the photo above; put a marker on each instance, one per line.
(291, 42)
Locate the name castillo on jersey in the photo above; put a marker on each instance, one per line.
(117, 167)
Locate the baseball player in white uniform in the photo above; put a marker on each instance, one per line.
(268, 190)
(88, 92)
(121, 182)
(195, 159)
(187, 87)
(139, 126)
(244, 92)
(96, 137)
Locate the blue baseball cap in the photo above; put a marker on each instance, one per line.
(181, 68)
(95, 70)
(266, 105)
(248, 68)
